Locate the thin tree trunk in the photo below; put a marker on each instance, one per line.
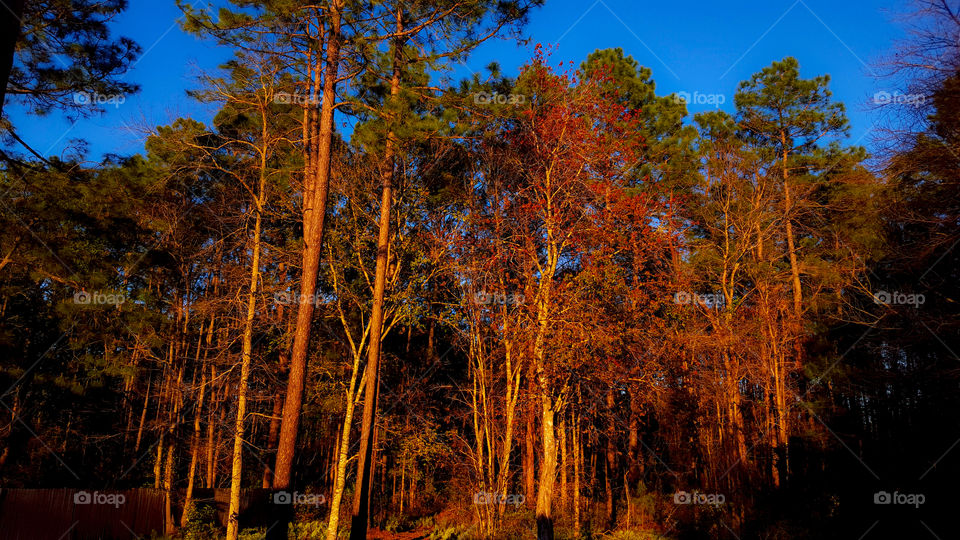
(169, 526)
(343, 454)
(273, 434)
(792, 249)
(791, 246)
(626, 494)
(513, 376)
(611, 461)
(633, 443)
(577, 460)
(219, 434)
(211, 444)
(194, 449)
(481, 433)
(735, 408)
(163, 398)
(236, 474)
(529, 456)
(361, 499)
(143, 415)
(403, 482)
(563, 464)
(797, 311)
(158, 463)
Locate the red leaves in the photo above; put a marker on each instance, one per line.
(570, 228)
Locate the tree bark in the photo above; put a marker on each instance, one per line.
(236, 474)
(314, 214)
(273, 433)
(529, 455)
(169, 526)
(343, 454)
(143, 415)
(361, 499)
(577, 460)
(548, 471)
(791, 246)
(611, 461)
(194, 449)
(563, 464)
(210, 477)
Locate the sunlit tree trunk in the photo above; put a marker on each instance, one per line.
(548, 471)
(143, 415)
(316, 188)
(577, 461)
(513, 375)
(273, 436)
(236, 473)
(529, 456)
(481, 427)
(169, 525)
(194, 447)
(343, 450)
(548, 464)
(273, 433)
(210, 478)
(788, 222)
(610, 463)
(563, 464)
(361, 499)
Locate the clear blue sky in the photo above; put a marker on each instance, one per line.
(697, 46)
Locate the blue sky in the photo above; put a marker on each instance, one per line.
(699, 47)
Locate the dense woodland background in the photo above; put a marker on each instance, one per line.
(481, 308)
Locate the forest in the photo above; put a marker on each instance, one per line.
(375, 299)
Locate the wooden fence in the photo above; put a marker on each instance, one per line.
(70, 514)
